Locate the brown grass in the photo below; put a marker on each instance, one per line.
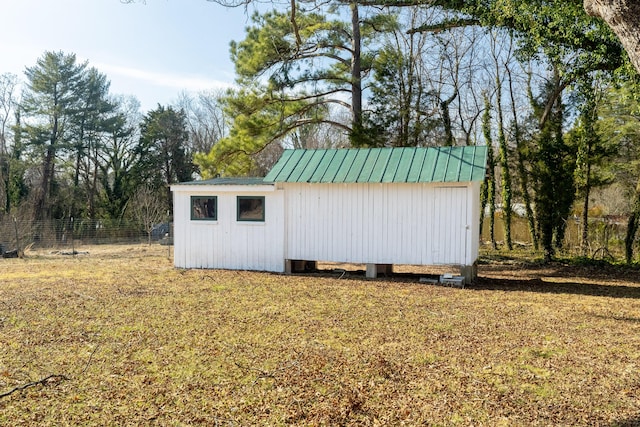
(142, 343)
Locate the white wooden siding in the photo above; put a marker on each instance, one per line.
(228, 243)
(426, 224)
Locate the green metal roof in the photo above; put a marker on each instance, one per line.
(408, 164)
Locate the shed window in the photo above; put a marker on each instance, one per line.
(204, 208)
(250, 208)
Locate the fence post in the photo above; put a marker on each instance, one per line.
(15, 226)
(73, 246)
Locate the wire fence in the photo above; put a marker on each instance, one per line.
(606, 235)
(18, 234)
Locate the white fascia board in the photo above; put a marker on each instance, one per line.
(204, 188)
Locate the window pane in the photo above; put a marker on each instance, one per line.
(204, 208)
(250, 208)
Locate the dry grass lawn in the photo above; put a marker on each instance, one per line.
(132, 341)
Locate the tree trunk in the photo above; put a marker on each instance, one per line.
(504, 164)
(446, 119)
(632, 226)
(356, 68)
(584, 241)
(489, 180)
(623, 17)
(522, 170)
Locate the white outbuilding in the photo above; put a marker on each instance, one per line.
(378, 206)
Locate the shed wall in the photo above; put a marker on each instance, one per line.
(227, 243)
(417, 223)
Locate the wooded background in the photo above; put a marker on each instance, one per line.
(549, 88)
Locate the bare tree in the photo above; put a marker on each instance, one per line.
(206, 119)
(148, 208)
(8, 84)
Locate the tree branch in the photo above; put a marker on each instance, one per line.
(42, 381)
(444, 25)
(296, 30)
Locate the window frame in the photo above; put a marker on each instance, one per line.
(241, 198)
(193, 218)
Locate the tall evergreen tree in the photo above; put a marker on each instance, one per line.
(553, 167)
(119, 156)
(50, 102)
(92, 120)
(164, 159)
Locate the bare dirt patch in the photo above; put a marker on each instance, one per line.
(138, 342)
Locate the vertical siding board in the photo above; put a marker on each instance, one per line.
(344, 238)
(446, 213)
(211, 234)
(331, 211)
(410, 229)
(351, 203)
(421, 220)
(415, 238)
(454, 243)
(364, 224)
(335, 227)
(428, 208)
(382, 226)
(306, 220)
(319, 240)
(314, 219)
(385, 220)
(401, 210)
(452, 222)
(369, 229)
(377, 205)
(356, 209)
(436, 227)
(405, 202)
(419, 235)
(224, 236)
(395, 212)
(321, 224)
(292, 219)
(179, 230)
(402, 221)
(183, 228)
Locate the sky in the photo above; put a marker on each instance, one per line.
(153, 50)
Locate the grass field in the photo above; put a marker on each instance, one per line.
(130, 340)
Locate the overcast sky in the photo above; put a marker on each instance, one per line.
(152, 51)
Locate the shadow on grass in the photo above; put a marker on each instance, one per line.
(542, 286)
(556, 278)
(631, 422)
